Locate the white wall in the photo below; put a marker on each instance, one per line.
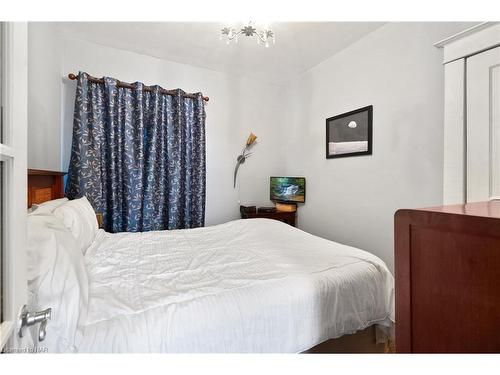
(352, 200)
(44, 97)
(237, 106)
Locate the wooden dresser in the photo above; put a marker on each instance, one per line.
(447, 268)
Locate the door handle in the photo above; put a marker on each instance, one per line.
(42, 332)
(31, 318)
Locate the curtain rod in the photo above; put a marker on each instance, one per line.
(131, 86)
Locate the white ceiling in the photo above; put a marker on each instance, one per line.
(299, 45)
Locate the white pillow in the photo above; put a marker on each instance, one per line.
(57, 278)
(47, 207)
(79, 217)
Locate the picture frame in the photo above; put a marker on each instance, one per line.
(350, 133)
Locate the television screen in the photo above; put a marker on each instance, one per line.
(288, 189)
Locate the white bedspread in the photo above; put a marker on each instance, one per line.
(245, 286)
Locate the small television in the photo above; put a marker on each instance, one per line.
(288, 189)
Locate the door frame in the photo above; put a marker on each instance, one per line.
(481, 125)
(13, 154)
(456, 49)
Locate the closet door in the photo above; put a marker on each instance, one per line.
(13, 194)
(483, 126)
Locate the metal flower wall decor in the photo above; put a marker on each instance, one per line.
(251, 140)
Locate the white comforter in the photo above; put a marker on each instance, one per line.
(245, 286)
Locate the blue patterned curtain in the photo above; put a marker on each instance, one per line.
(138, 156)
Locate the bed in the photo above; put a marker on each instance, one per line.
(254, 285)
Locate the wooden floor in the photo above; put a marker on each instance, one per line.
(359, 342)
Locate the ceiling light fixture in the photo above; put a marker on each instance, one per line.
(263, 36)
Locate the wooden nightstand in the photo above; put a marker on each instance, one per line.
(286, 217)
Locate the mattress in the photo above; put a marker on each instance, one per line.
(254, 285)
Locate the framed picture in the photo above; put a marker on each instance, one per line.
(349, 134)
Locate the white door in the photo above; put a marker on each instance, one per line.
(483, 126)
(13, 172)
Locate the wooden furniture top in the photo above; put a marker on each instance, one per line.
(44, 186)
(42, 172)
(481, 209)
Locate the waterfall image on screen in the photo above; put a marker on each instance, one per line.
(288, 189)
